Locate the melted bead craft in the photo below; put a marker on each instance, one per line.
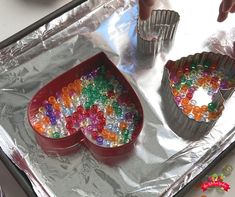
(96, 104)
(190, 80)
(194, 90)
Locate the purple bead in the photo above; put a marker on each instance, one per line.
(128, 116)
(205, 73)
(53, 120)
(224, 84)
(99, 140)
(57, 114)
(191, 90)
(48, 107)
(90, 128)
(174, 78)
(49, 113)
(178, 98)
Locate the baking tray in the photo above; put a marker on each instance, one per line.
(185, 188)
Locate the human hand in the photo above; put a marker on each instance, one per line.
(226, 7)
(145, 8)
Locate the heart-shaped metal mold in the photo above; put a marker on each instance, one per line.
(91, 104)
(194, 90)
(157, 32)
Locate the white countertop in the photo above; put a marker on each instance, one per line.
(18, 14)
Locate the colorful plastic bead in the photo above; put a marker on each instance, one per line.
(95, 105)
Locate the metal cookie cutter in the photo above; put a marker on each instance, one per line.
(158, 30)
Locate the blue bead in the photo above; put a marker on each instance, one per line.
(99, 140)
(48, 107)
(109, 126)
(53, 120)
(108, 143)
(49, 113)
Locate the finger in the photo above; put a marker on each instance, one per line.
(148, 3)
(222, 15)
(232, 10)
(227, 5)
(144, 11)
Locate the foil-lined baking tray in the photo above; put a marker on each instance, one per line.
(162, 163)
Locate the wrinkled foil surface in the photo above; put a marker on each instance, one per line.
(162, 163)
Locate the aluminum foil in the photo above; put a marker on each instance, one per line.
(162, 162)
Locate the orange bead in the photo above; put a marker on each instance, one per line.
(46, 120)
(67, 103)
(65, 90)
(52, 100)
(77, 82)
(175, 92)
(197, 116)
(212, 116)
(196, 109)
(56, 106)
(122, 125)
(71, 87)
(200, 81)
(204, 108)
(113, 137)
(187, 109)
(207, 79)
(213, 67)
(105, 134)
(215, 86)
(184, 101)
(65, 97)
(184, 88)
(109, 110)
(38, 127)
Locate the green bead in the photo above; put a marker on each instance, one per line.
(212, 107)
(87, 105)
(177, 86)
(118, 111)
(102, 70)
(56, 135)
(193, 66)
(189, 82)
(103, 98)
(110, 87)
(90, 86)
(84, 91)
(126, 140)
(136, 118)
(206, 65)
(183, 79)
(115, 104)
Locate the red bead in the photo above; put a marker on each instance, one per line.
(94, 135)
(100, 115)
(100, 127)
(110, 93)
(72, 130)
(103, 121)
(75, 115)
(68, 118)
(69, 125)
(80, 109)
(189, 95)
(94, 109)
